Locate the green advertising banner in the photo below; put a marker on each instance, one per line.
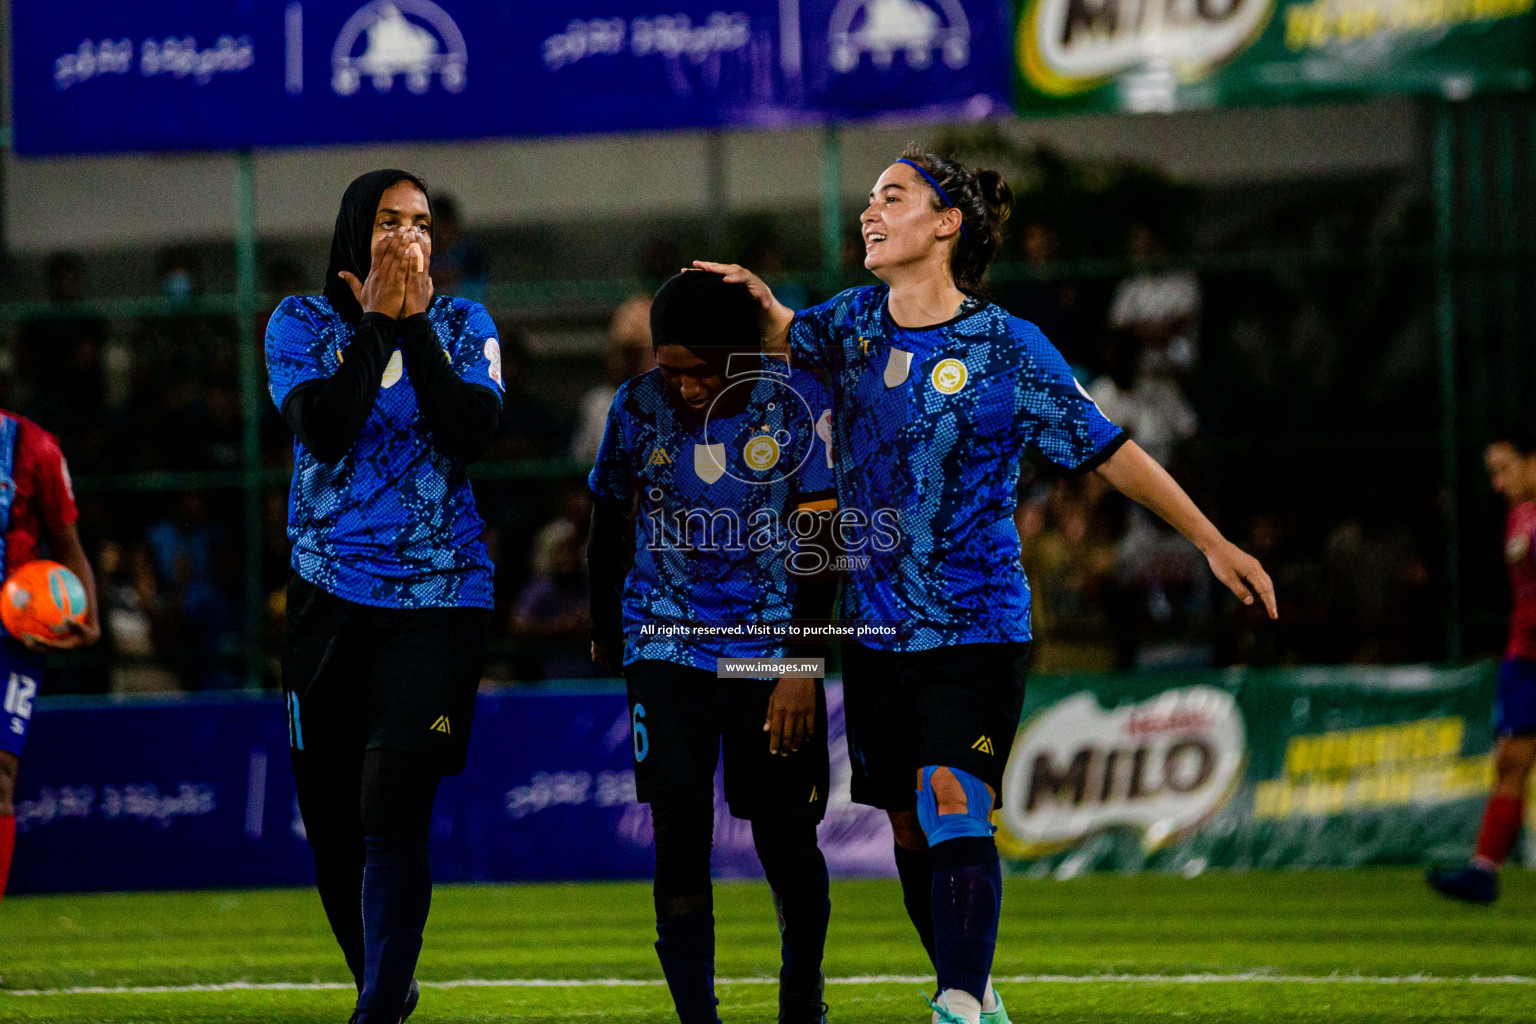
(1243, 769)
(1160, 55)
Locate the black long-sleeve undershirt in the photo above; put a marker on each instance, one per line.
(816, 593)
(462, 416)
(328, 414)
(609, 555)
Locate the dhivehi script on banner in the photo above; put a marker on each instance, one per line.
(1150, 55)
(1152, 771)
(122, 75)
(1247, 769)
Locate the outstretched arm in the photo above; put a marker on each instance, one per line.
(1137, 475)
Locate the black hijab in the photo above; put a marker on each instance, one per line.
(352, 241)
(714, 320)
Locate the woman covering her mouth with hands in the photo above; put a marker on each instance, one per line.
(390, 391)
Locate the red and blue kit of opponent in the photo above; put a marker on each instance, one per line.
(1515, 714)
(37, 507)
(1511, 463)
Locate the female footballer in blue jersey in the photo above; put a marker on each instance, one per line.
(390, 392)
(711, 480)
(937, 394)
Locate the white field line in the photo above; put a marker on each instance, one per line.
(867, 979)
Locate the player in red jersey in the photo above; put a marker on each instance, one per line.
(37, 505)
(1511, 461)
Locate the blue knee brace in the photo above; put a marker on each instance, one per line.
(974, 822)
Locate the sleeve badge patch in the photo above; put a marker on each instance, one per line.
(493, 357)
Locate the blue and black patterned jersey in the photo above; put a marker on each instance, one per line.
(929, 430)
(714, 499)
(393, 523)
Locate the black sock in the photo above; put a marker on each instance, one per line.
(685, 944)
(339, 877)
(915, 868)
(685, 921)
(397, 893)
(967, 901)
(797, 874)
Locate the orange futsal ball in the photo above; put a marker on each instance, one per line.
(42, 599)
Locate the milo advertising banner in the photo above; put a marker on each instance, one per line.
(1248, 769)
(1149, 55)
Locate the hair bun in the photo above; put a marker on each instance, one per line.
(995, 193)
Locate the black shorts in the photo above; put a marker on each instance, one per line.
(952, 706)
(679, 716)
(362, 678)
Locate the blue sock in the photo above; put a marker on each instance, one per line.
(915, 868)
(967, 901)
(685, 944)
(397, 893)
(804, 909)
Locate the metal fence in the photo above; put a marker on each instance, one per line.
(1474, 268)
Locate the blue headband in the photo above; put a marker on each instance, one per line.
(942, 194)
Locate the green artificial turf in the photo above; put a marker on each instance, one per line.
(1289, 946)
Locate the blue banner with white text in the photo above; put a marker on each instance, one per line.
(197, 793)
(118, 75)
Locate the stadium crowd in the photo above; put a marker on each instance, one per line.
(1113, 587)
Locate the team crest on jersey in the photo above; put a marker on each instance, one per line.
(709, 461)
(761, 452)
(1517, 549)
(392, 371)
(659, 457)
(897, 366)
(949, 376)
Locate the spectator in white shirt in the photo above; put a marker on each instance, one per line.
(1150, 408)
(1162, 307)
